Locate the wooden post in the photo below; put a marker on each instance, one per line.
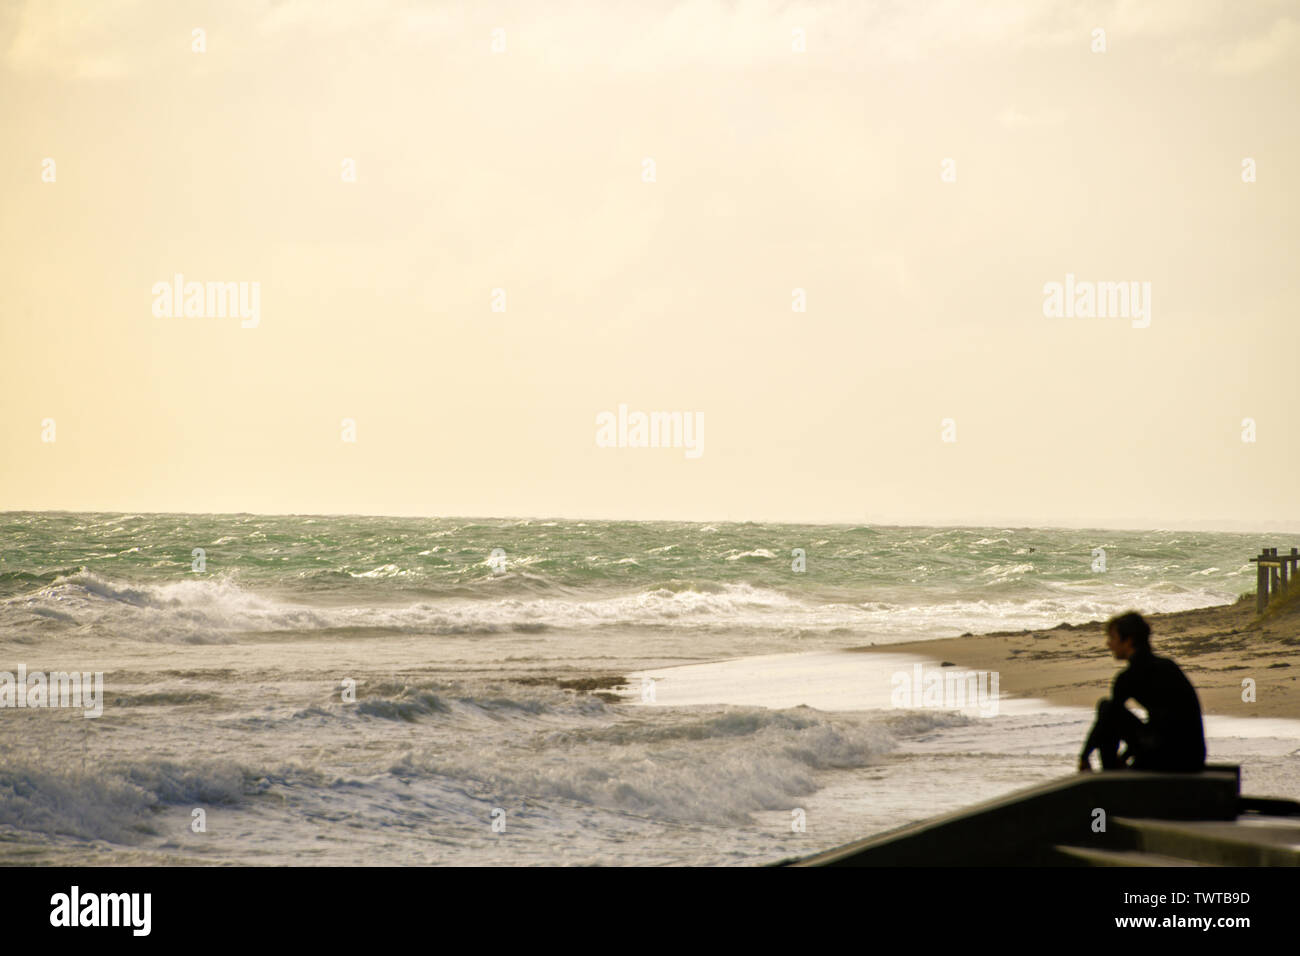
(1274, 574)
(1261, 582)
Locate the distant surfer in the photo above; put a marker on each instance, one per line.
(1173, 737)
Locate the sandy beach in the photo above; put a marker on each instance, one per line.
(1217, 647)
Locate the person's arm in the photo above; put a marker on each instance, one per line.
(1085, 765)
(1119, 692)
(1089, 746)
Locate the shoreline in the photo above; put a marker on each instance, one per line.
(1217, 647)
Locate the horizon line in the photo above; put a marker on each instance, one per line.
(1287, 526)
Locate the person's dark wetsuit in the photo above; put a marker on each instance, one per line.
(1173, 737)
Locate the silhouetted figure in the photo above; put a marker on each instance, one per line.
(1173, 737)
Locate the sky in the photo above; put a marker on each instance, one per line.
(473, 228)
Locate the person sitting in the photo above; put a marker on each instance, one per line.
(1173, 736)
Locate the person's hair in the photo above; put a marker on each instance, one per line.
(1132, 627)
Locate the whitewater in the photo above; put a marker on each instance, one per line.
(361, 690)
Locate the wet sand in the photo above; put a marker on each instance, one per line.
(1217, 647)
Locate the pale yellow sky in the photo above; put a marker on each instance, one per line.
(775, 170)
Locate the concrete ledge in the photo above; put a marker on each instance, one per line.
(1249, 841)
(1023, 828)
(1082, 856)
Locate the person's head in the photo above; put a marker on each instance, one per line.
(1128, 634)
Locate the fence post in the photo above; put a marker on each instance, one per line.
(1261, 581)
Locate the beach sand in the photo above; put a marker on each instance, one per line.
(1217, 647)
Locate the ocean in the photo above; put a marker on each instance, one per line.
(370, 690)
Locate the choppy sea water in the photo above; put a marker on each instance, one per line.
(467, 742)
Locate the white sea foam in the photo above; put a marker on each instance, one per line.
(715, 768)
(112, 802)
(217, 609)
